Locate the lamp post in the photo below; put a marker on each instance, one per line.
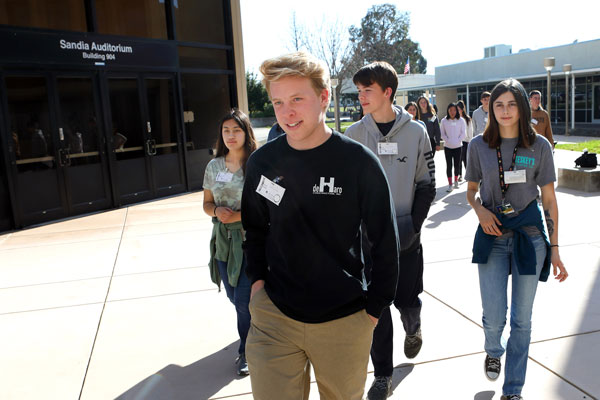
(549, 64)
(334, 83)
(567, 71)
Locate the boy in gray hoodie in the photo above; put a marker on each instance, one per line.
(403, 147)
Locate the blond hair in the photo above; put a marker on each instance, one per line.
(300, 64)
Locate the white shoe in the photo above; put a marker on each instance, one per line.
(456, 184)
(449, 188)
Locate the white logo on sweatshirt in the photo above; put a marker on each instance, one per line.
(329, 185)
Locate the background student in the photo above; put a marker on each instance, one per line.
(465, 143)
(480, 116)
(453, 130)
(223, 184)
(413, 110)
(539, 117)
(429, 117)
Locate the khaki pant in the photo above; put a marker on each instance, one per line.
(280, 351)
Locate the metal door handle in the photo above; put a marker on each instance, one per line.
(64, 157)
(151, 147)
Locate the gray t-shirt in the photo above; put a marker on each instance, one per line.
(225, 188)
(482, 167)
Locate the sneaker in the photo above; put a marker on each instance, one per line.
(460, 179)
(381, 388)
(456, 184)
(512, 397)
(242, 365)
(412, 344)
(449, 188)
(492, 367)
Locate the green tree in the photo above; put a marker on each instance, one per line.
(383, 36)
(257, 94)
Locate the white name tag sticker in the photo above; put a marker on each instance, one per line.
(517, 176)
(270, 190)
(485, 120)
(453, 123)
(535, 121)
(224, 177)
(386, 148)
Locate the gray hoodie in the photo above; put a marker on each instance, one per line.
(410, 172)
(479, 119)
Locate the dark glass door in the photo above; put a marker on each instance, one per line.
(57, 150)
(146, 138)
(131, 144)
(163, 132)
(82, 155)
(39, 186)
(5, 203)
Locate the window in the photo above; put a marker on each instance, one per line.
(67, 15)
(194, 57)
(142, 18)
(206, 99)
(212, 28)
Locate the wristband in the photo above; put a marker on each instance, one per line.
(215, 211)
(553, 245)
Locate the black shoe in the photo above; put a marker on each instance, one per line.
(492, 367)
(381, 388)
(512, 397)
(242, 365)
(412, 344)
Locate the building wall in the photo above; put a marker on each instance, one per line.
(524, 64)
(238, 51)
(443, 98)
(187, 72)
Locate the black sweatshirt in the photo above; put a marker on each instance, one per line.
(308, 248)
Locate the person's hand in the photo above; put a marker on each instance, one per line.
(557, 265)
(489, 222)
(224, 214)
(373, 319)
(256, 286)
(437, 148)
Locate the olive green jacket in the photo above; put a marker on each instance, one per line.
(226, 245)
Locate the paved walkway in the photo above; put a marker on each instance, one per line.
(120, 305)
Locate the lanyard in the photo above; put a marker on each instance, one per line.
(504, 186)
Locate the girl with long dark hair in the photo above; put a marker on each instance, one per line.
(223, 184)
(429, 117)
(413, 109)
(506, 166)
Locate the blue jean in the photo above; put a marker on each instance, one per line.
(240, 297)
(493, 280)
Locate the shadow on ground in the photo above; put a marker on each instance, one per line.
(584, 349)
(456, 206)
(199, 380)
(577, 193)
(487, 395)
(400, 372)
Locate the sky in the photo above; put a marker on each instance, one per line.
(448, 32)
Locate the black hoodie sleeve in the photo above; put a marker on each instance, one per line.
(255, 220)
(379, 218)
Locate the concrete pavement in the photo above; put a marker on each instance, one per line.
(120, 305)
